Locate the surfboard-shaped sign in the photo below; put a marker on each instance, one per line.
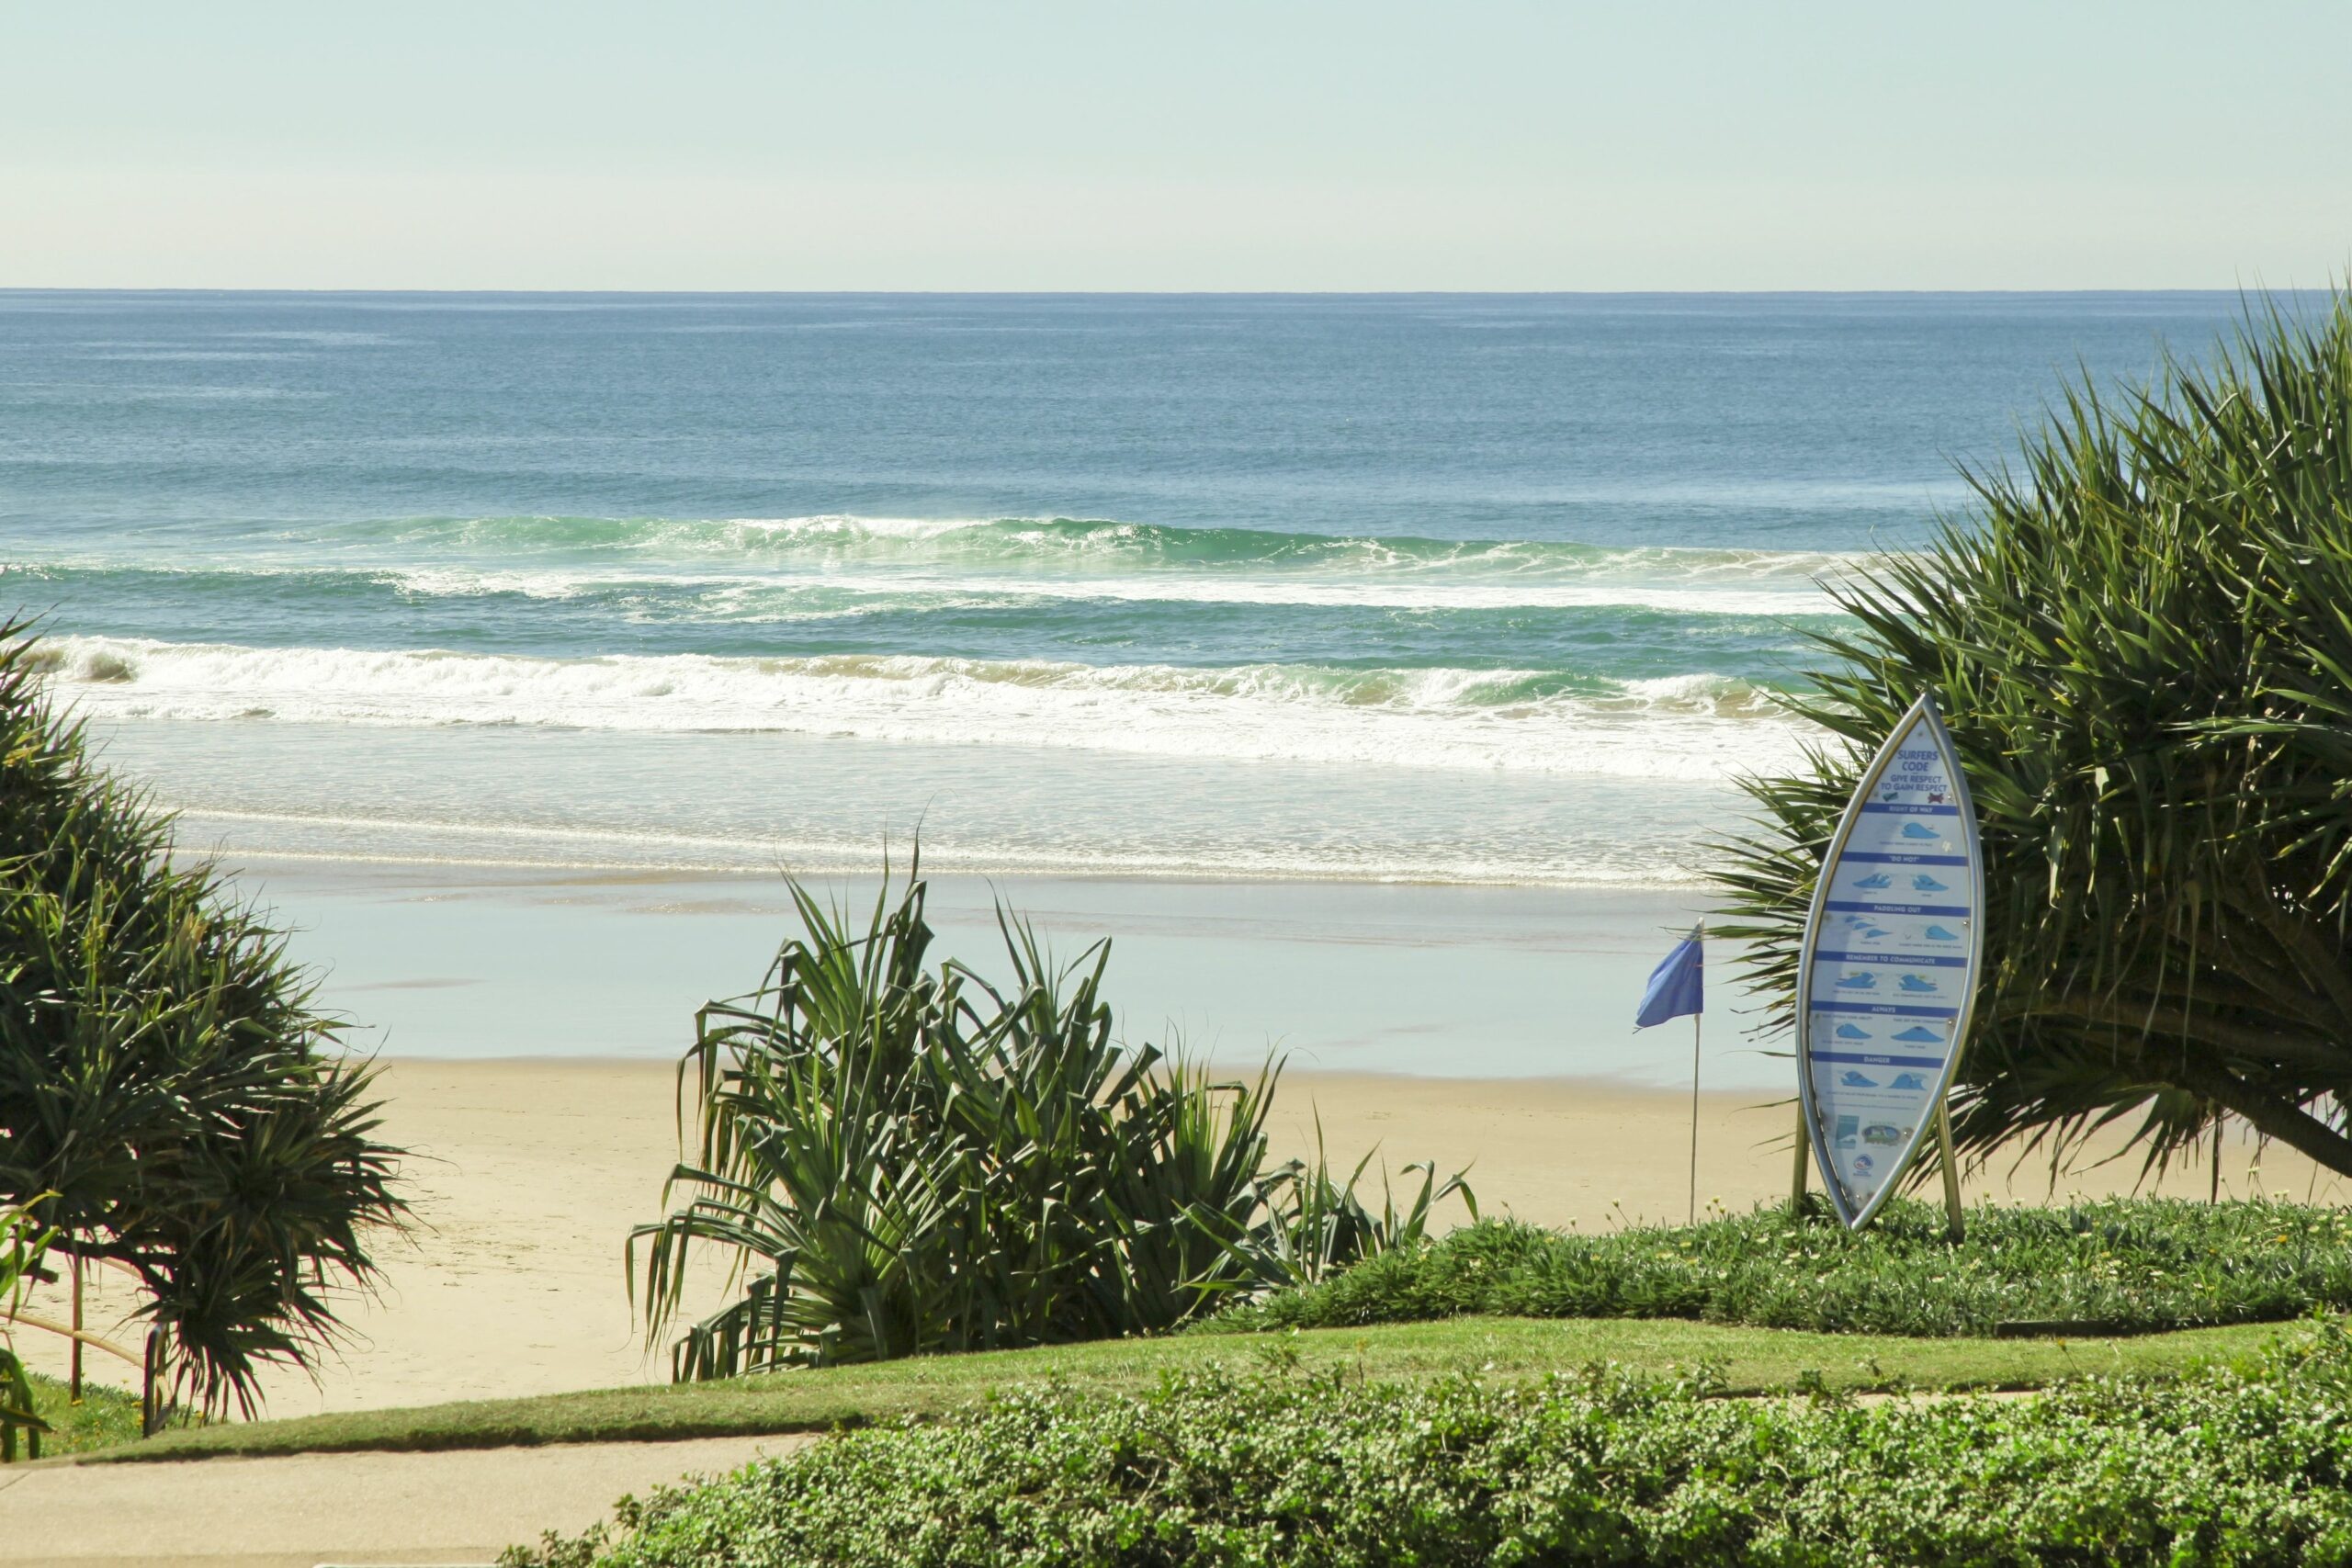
(1887, 975)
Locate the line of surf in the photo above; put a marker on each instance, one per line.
(1683, 726)
(340, 838)
(738, 594)
(1072, 543)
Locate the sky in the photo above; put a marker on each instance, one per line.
(887, 144)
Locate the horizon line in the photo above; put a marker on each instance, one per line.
(2241, 289)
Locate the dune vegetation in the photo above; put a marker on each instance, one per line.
(2248, 1464)
(2120, 1266)
(2137, 636)
(905, 1160)
(171, 1103)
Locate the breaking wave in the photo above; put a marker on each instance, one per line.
(1043, 539)
(1687, 726)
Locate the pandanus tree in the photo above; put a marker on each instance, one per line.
(903, 1159)
(2141, 637)
(172, 1105)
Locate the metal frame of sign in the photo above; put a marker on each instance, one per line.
(1921, 714)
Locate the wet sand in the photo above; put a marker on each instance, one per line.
(1446, 981)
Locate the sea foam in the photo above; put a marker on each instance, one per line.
(1691, 728)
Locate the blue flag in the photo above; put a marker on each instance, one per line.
(1678, 985)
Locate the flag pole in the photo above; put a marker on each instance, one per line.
(1678, 986)
(2216, 1197)
(1694, 1118)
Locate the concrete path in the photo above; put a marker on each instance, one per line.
(306, 1509)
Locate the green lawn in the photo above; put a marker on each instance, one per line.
(105, 1418)
(1752, 1361)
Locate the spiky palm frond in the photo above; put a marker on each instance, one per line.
(23, 1239)
(902, 1160)
(2139, 638)
(164, 1076)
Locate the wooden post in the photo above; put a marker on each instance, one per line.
(151, 1412)
(2216, 1196)
(74, 1355)
(1952, 1172)
(1804, 1151)
(1694, 1119)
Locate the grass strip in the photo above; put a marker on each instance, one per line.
(2139, 1265)
(1742, 1360)
(106, 1417)
(2248, 1465)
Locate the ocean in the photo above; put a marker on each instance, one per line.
(1441, 589)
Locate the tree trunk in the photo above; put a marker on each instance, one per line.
(74, 1355)
(2280, 1118)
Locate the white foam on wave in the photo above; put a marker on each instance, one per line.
(842, 525)
(1051, 541)
(1703, 728)
(464, 583)
(752, 597)
(757, 596)
(1081, 542)
(1794, 599)
(768, 595)
(343, 839)
(737, 566)
(775, 595)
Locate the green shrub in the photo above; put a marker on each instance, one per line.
(2137, 634)
(2132, 1264)
(2246, 1467)
(906, 1161)
(167, 1086)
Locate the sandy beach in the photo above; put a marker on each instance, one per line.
(527, 1176)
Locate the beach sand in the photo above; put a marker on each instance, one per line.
(526, 1175)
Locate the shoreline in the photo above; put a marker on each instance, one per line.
(432, 962)
(526, 1175)
(729, 800)
(244, 862)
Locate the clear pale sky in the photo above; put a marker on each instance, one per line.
(1204, 145)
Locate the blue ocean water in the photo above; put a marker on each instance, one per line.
(1441, 587)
